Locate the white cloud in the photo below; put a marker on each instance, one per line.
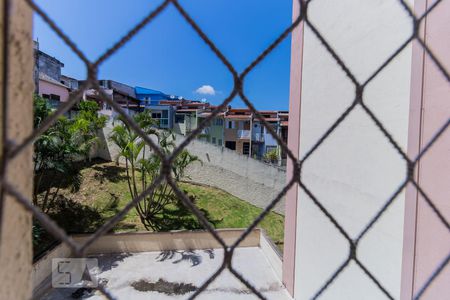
(206, 90)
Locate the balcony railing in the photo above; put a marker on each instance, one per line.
(244, 134)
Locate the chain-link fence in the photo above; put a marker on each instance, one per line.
(238, 90)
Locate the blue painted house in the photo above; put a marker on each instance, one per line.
(151, 100)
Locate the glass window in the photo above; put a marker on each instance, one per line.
(220, 142)
(214, 140)
(179, 119)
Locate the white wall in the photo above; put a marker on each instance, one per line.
(356, 170)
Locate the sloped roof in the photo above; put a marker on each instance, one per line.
(145, 91)
(45, 77)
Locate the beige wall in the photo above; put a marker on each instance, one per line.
(15, 243)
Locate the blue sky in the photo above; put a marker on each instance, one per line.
(167, 55)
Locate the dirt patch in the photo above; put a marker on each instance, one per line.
(165, 287)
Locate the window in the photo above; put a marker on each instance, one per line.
(218, 122)
(214, 140)
(219, 142)
(179, 119)
(230, 125)
(246, 149)
(156, 115)
(55, 97)
(165, 114)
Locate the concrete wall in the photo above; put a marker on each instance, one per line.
(355, 170)
(239, 175)
(49, 65)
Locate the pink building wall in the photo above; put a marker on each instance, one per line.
(427, 239)
(48, 88)
(294, 145)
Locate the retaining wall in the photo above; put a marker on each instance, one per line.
(244, 177)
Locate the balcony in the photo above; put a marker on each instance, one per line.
(243, 134)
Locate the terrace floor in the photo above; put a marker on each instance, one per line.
(177, 274)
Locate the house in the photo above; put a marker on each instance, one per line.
(283, 131)
(263, 141)
(47, 77)
(52, 90)
(237, 132)
(70, 82)
(151, 99)
(187, 115)
(246, 133)
(121, 93)
(47, 65)
(214, 132)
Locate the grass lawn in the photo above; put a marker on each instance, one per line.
(104, 192)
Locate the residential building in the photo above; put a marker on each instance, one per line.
(283, 131)
(122, 94)
(52, 90)
(214, 132)
(263, 140)
(187, 116)
(70, 82)
(151, 99)
(237, 132)
(47, 65)
(47, 77)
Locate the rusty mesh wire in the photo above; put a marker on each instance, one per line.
(12, 149)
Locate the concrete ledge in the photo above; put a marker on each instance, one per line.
(158, 241)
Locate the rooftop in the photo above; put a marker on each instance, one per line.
(45, 77)
(146, 91)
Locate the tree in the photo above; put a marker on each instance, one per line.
(57, 148)
(143, 168)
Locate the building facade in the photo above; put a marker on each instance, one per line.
(354, 172)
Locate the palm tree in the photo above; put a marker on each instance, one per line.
(143, 168)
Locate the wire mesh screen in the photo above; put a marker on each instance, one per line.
(166, 175)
